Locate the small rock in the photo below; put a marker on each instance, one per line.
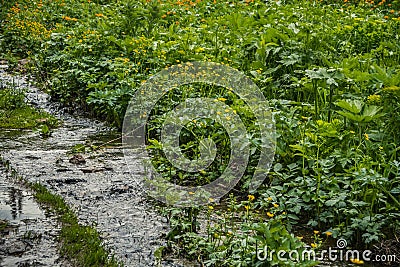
(77, 159)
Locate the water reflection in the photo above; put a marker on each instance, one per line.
(15, 202)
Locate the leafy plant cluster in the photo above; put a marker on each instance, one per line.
(331, 75)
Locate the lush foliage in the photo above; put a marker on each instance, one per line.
(330, 70)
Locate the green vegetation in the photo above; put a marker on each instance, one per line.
(3, 225)
(79, 243)
(15, 113)
(330, 70)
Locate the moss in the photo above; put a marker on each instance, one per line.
(79, 243)
(25, 118)
(15, 113)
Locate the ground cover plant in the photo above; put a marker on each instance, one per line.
(15, 113)
(329, 69)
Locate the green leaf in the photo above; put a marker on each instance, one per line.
(354, 105)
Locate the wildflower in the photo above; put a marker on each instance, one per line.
(391, 11)
(374, 98)
(270, 214)
(191, 193)
(221, 99)
(352, 132)
(251, 197)
(357, 261)
(247, 207)
(99, 15)
(316, 232)
(164, 16)
(313, 245)
(328, 233)
(386, 17)
(276, 205)
(269, 198)
(210, 207)
(284, 213)
(366, 136)
(391, 88)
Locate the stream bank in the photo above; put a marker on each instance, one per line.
(98, 187)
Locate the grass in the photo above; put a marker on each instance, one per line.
(15, 113)
(80, 243)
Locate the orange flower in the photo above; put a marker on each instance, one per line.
(99, 15)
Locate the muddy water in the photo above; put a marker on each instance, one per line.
(97, 185)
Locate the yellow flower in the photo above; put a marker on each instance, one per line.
(270, 214)
(374, 98)
(316, 232)
(221, 99)
(251, 197)
(352, 132)
(328, 233)
(247, 207)
(313, 245)
(357, 261)
(210, 207)
(366, 136)
(276, 205)
(191, 193)
(269, 199)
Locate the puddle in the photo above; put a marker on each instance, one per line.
(28, 237)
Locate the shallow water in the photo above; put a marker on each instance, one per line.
(30, 238)
(100, 188)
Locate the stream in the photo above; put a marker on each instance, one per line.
(97, 185)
